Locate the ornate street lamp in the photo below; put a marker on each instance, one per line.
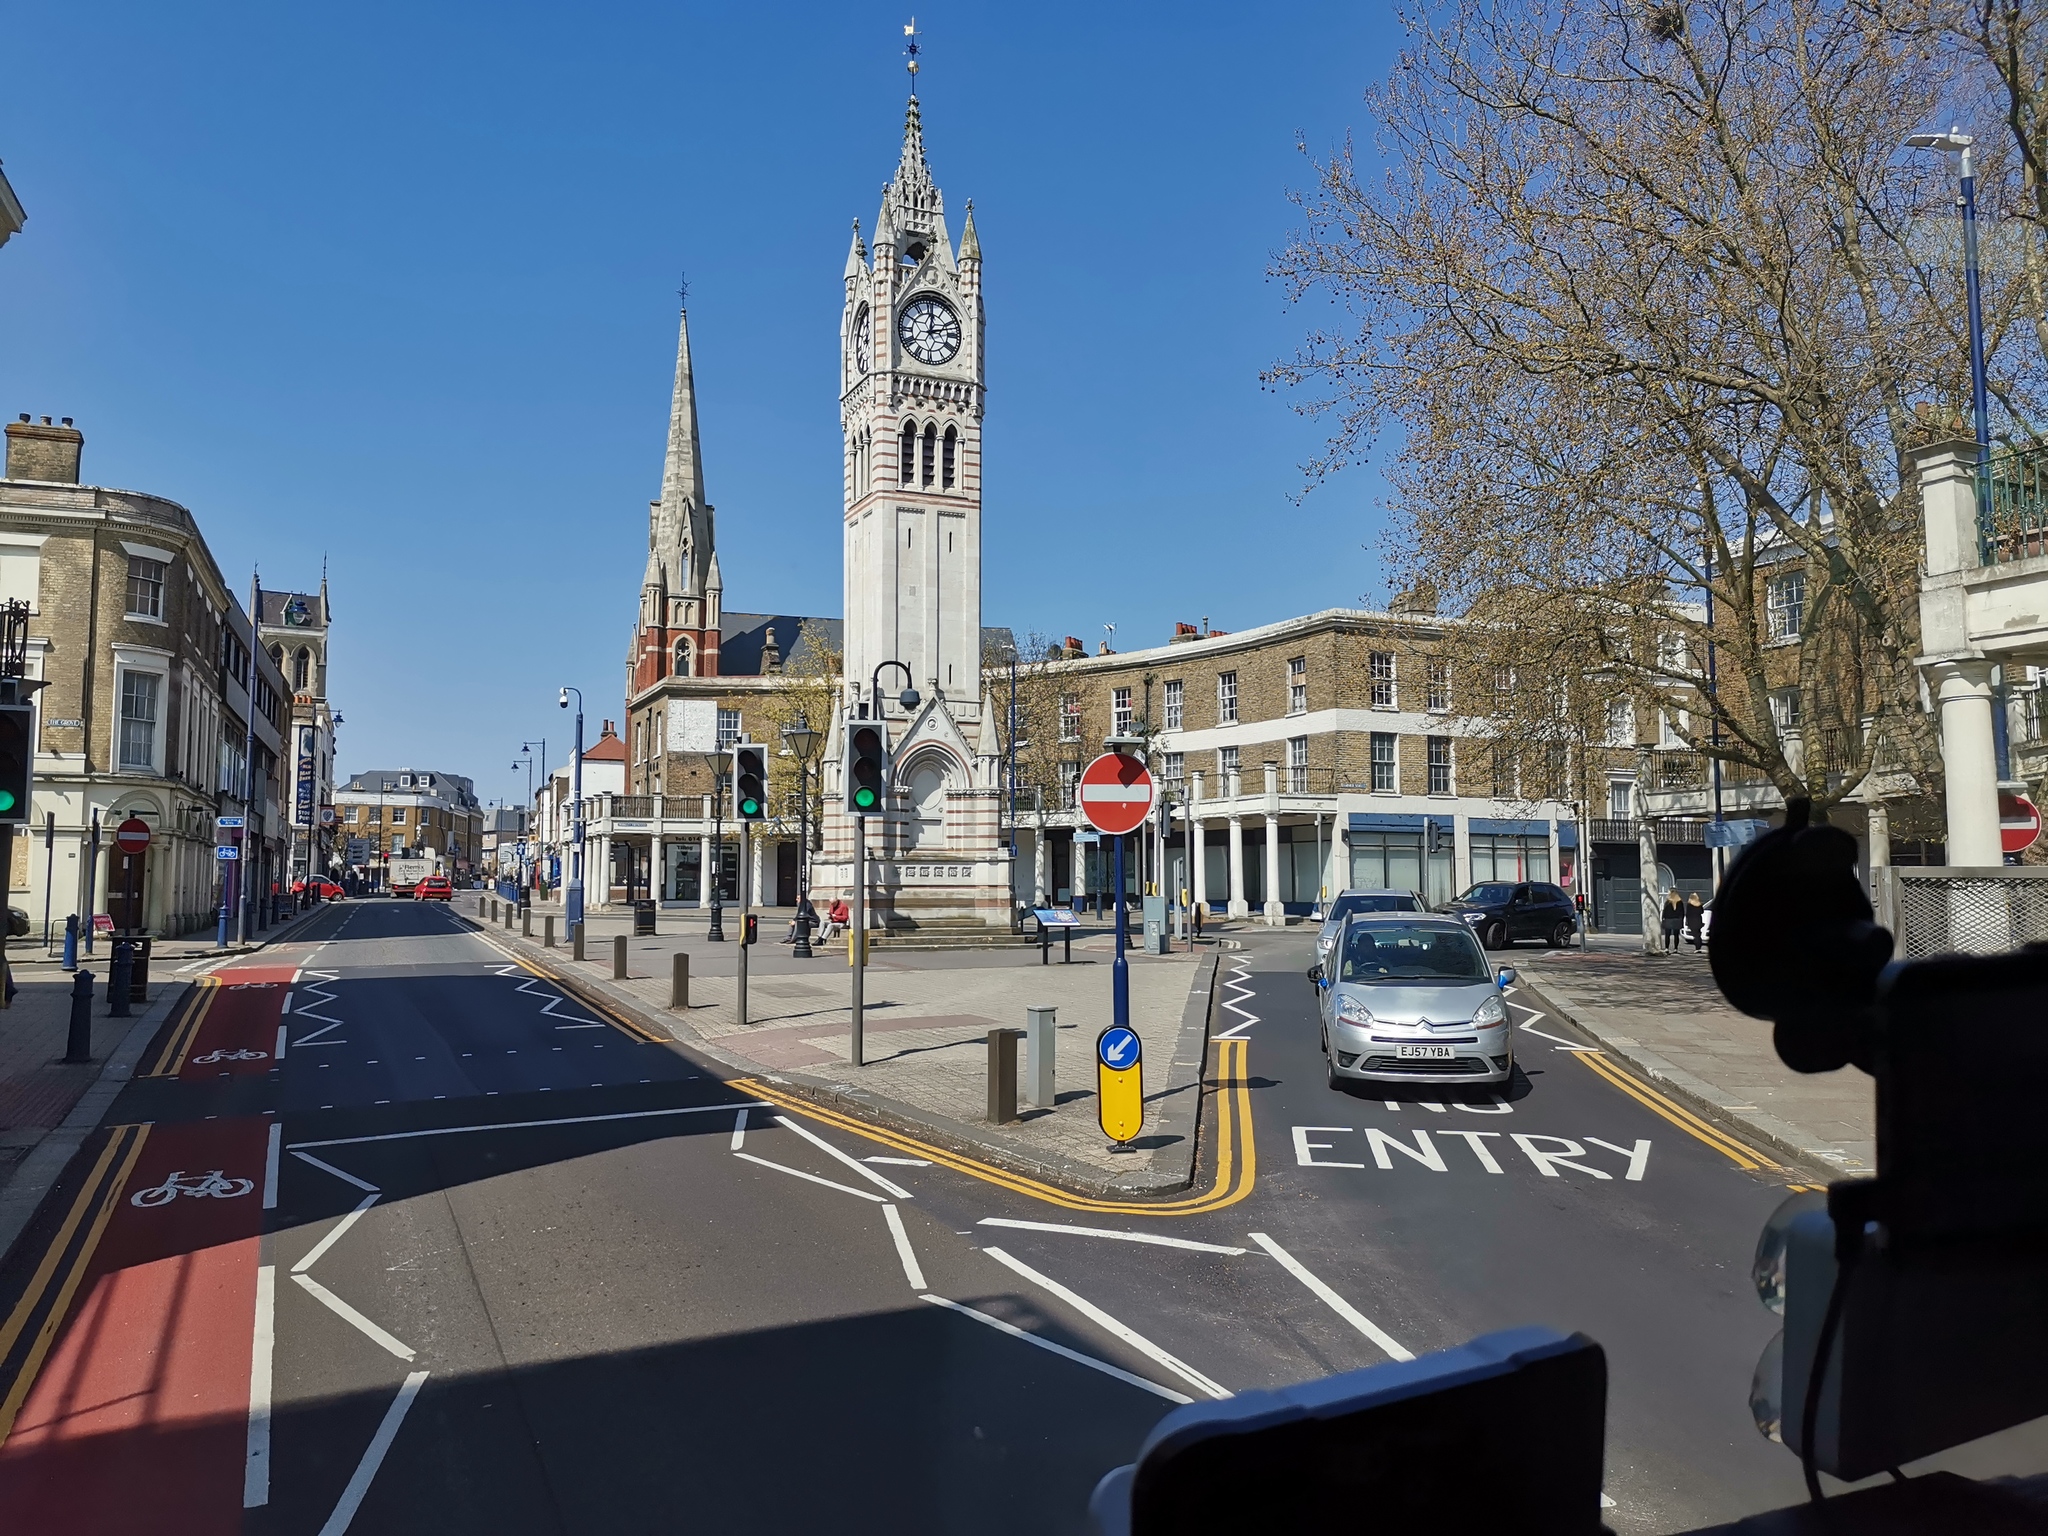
(804, 742)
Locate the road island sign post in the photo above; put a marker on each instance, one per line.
(1120, 1083)
(1116, 795)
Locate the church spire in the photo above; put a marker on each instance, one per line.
(682, 473)
(857, 255)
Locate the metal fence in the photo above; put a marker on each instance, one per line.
(1942, 911)
(2012, 506)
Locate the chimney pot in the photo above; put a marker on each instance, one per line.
(67, 421)
(46, 421)
(24, 415)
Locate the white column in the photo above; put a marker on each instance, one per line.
(1080, 863)
(1963, 693)
(704, 854)
(1198, 852)
(1275, 909)
(1880, 835)
(1041, 869)
(1239, 907)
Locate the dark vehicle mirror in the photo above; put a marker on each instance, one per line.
(1315, 974)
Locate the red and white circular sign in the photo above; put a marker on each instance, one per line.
(2019, 823)
(132, 836)
(1117, 793)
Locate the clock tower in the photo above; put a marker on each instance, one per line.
(910, 406)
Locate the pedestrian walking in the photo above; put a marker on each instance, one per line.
(1672, 922)
(1200, 908)
(1695, 921)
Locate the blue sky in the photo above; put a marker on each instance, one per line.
(395, 284)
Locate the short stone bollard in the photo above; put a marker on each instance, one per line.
(547, 931)
(679, 982)
(494, 909)
(120, 974)
(1002, 1075)
(526, 922)
(78, 1041)
(1040, 1025)
(576, 940)
(618, 957)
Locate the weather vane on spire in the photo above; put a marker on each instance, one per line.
(910, 33)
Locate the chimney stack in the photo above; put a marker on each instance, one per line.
(39, 451)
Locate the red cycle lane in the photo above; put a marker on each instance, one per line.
(235, 1031)
(130, 1412)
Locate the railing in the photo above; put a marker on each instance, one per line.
(1670, 829)
(1613, 829)
(2012, 506)
(639, 806)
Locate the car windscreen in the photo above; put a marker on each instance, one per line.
(1346, 905)
(1492, 895)
(1384, 952)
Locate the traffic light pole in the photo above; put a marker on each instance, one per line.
(857, 936)
(746, 901)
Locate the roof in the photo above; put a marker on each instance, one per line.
(272, 606)
(607, 748)
(371, 781)
(742, 637)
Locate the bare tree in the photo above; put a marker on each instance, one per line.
(808, 691)
(1640, 292)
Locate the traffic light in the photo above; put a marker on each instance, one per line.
(750, 781)
(753, 930)
(1433, 830)
(867, 767)
(17, 762)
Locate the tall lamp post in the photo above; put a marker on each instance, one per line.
(804, 743)
(1957, 142)
(572, 901)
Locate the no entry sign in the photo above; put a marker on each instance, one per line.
(1117, 793)
(132, 836)
(2019, 824)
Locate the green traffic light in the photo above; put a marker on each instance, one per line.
(864, 798)
(6, 800)
(750, 806)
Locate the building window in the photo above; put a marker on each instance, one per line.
(1297, 685)
(906, 461)
(683, 659)
(376, 815)
(1226, 698)
(1436, 689)
(1785, 709)
(1502, 762)
(1070, 780)
(1120, 712)
(139, 693)
(145, 588)
(931, 452)
(1175, 704)
(1785, 604)
(951, 446)
(728, 727)
(398, 815)
(302, 669)
(1070, 717)
(1176, 767)
(1386, 766)
(1440, 765)
(1621, 723)
(1226, 766)
(1556, 771)
(1621, 799)
(1297, 765)
(1382, 670)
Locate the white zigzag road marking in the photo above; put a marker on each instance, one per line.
(313, 987)
(1241, 980)
(548, 1008)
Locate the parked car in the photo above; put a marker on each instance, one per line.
(1504, 912)
(323, 890)
(434, 888)
(1363, 900)
(1413, 999)
(17, 923)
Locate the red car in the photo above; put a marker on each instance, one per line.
(323, 890)
(434, 888)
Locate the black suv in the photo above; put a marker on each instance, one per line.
(1504, 911)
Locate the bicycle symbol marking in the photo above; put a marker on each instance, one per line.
(197, 1186)
(218, 1055)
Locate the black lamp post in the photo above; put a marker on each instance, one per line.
(802, 741)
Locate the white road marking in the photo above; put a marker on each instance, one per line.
(1337, 1304)
(314, 1254)
(854, 1163)
(287, 1008)
(1154, 1238)
(256, 1462)
(352, 1317)
(739, 1130)
(276, 1139)
(1424, 1151)
(1474, 1140)
(1303, 1147)
(346, 1178)
(314, 1037)
(901, 1162)
(1545, 1160)
(1103, 1320)
(1241, 980)
(578, 1026)
(1075, 1355)
(523, 1125)
(904, 1251)
(279, 1055)
(373, 1457)
(1562, 1043)
(798, 1173)
(1638, 1158)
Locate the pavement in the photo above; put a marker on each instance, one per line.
(1663, 1016)
(927, 1015)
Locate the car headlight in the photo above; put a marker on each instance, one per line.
(1492, 1011)
(1351, 1011)
(1473, 917)
(1323, 944)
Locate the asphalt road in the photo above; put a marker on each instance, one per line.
(390, 1235)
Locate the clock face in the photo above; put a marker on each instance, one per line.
(863, 339)
(930, 331)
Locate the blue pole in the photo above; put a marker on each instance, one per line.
(1980, 407)
(1120, 972)
(227, 904)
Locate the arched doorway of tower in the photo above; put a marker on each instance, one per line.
(927, 778)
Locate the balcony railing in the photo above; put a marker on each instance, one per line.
(2012, 506)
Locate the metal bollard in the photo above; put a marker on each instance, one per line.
(618, 957)
(547, 931)
(1067, 940)
(679, 982)
(71, 941)
(119, 975)
(78, 1042)
(526, 922)
(576, 939)
(1002, 1076)
(1039, 1037)
(1044, 945)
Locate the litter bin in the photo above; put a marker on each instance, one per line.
(138, 980)
(643, 919)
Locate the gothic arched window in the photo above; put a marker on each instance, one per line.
(682, 667)
(907, 460)
(302, 669)
(946, 459)
(931, 448)
(277, 659)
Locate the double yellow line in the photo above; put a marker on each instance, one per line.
(1236, 1152)
(1741, 1154)
(31, 1328)
(182, 1028)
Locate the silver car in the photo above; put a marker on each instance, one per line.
(1364, 900)
(1412, 998)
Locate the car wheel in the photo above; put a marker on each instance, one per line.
(1330, 1077)
(1495, 936)
(1561, 936)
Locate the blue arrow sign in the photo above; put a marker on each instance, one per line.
(1118, 1049)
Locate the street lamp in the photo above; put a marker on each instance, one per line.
(804, 742)
(1957, 142)
(572, 901)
